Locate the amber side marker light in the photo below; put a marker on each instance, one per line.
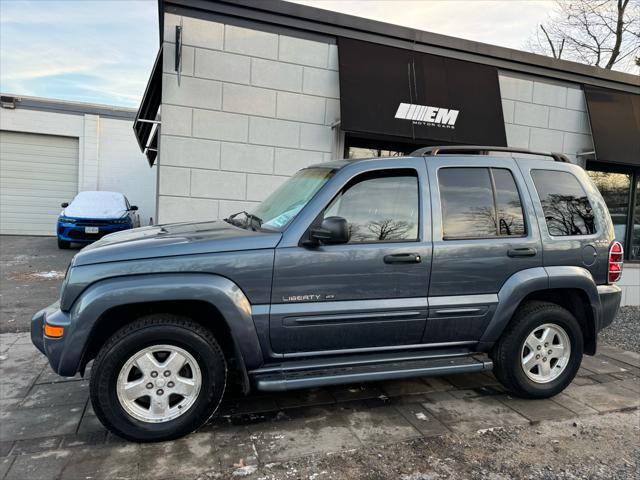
(53, 331)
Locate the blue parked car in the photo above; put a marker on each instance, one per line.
(92, 215)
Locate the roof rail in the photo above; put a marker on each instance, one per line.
(482, 150)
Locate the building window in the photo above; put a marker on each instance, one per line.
(359, 152)
(620, 188)
(634, 251)
(615, 188)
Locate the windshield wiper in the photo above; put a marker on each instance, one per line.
(252, 220)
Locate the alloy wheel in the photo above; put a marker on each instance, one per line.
(159, 383)
(545, 353)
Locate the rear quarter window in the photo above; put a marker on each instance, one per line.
(567, 210)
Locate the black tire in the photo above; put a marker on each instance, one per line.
(63, 244)
(157, 329)
(507, 353)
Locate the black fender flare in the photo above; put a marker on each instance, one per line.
(526, 282)
(218, 291)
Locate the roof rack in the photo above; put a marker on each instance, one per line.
(482, 150)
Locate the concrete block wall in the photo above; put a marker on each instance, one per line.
(630, 284)
(546, 115)
(89, 167)
(251, 108)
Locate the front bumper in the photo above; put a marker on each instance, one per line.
(610, 297)
(71, 232)
(53, 348)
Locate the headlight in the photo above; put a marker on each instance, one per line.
(122, 221)
(67, 220)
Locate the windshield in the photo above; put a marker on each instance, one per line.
(289, 198)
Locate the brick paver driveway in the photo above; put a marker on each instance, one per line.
(48, 429)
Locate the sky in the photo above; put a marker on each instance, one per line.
(102, 51)
(98, 51)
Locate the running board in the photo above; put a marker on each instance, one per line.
(291, 380)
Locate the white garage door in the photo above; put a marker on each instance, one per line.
(37, 174)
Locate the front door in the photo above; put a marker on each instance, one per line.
(484, 231)
(371, 292)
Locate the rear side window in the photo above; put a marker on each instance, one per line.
(479, 203)
(566, 207)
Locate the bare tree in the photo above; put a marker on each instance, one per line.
(604, 33)
(389, 229)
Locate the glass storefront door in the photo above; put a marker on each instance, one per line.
(634, 253)
(616, 191)
(620, 188)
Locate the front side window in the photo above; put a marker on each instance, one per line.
(479, 203)
(566, 207)
(288, 199)
(381, 208)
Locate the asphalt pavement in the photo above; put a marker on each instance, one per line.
(31, 272)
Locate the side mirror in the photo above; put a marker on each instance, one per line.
(333, 230)
(64, 204)
(133, 208)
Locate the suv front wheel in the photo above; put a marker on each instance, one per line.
(540, 352)
(158, 378)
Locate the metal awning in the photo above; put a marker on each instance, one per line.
(407, 95)
(615, 124)
(146, 124)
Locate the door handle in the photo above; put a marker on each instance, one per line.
(522, 252)
(403, 258)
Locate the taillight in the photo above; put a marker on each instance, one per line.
(615, 262)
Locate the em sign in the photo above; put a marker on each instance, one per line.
(433, 115)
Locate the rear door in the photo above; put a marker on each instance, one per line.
(484, 231)
(370, 293)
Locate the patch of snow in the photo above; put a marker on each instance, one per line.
(50, 275)
(421, 416)
(244, 471)
(489, 430)
(97, 205)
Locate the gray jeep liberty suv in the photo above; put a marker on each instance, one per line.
(451, 259)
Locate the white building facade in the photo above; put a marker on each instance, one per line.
(50, 150)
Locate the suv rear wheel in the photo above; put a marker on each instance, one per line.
(158, 378)
(540, 352)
